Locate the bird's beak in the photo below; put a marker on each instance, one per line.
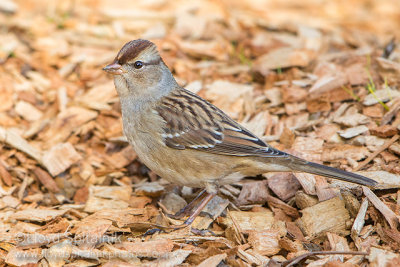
(114, 69)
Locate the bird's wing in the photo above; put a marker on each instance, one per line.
(193, 123)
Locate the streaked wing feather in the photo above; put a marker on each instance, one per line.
(193, 123)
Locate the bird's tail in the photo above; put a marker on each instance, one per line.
(301, 165)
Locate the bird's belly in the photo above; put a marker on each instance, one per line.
(188, 167)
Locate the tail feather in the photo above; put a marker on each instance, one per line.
(318, 169)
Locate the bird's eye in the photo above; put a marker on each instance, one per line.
(138, 64)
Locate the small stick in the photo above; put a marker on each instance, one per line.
(382, 148)
(295, 260)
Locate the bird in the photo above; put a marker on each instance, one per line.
(187, 140)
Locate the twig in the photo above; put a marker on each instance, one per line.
(295, 260)
(382, 148)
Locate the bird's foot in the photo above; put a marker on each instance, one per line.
(153, 231)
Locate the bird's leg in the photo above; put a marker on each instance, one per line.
(197, 211)
(188, 208)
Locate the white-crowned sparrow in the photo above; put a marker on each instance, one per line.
(187, 140)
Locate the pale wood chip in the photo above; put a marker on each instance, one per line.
(19, 257)
(304, 200)
(120, 217)
(383, 95)
(258, 124)
(13, 139)
(385, 179)
(328, 82)
(213, 261)
(265, 243)
(352, 120)
(326, 216)
(28, 111)
(172, 258)
(67, 120)
(112, 252)
(10, 201)
(343, 151)
(382, 258)
(60, 157)
(338, 243)
(153, 248)
(37, 215)
(359, 220)
(121, 158)
(99, 96)
(38, 240)
(274, 95)
(255, 221)
(283, 58)
(107, 197)
(153, 189)
(89, 233)
(228, 96)
(213, 49)
(309, 148)
(308, 182)
(38, 81)
(58, 254)
(353, 131)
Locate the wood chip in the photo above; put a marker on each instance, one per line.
(354, 131)
(153, 248)
(5, 175)
(284, 185)
(283, 58)
(308, 182)
(58, 254)
(107, 197)
(173, 258)
(380, 258)
(327, 216)
(265, 243)
(13, 139)
(46, 180)
(60, 157)
(383, 95)
(385, 179)
(359, 220)
(389, 215)
(37, 215)
(71, 118)
(304, 200)
(28, 111)
(252, 221)
(253, 193)
(19, 257)
(213, 261)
